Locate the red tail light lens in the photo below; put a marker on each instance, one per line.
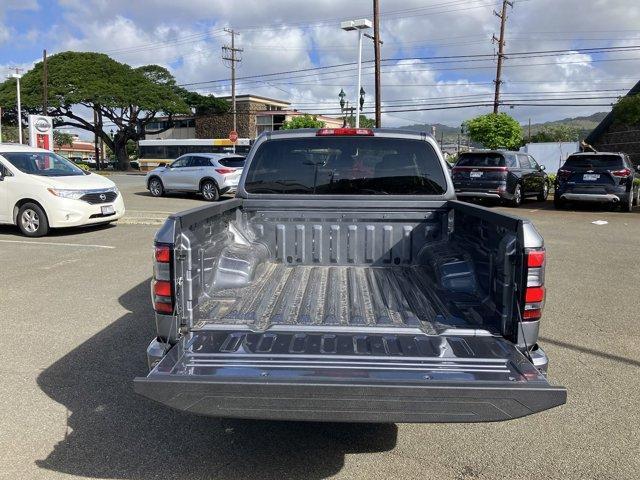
(564, 174)
(624, 173)
(161, 307)
(338, 132)
(534, 295)
(225, 171)
(533, 314)
(535, 258)
(163, 253)
(162, 288)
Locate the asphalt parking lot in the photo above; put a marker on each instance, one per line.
(76, 319)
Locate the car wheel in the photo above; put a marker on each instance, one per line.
(516, 201)
(542, 197)
(32, 221)
(209, 191)
(155, 187)
(559, 204)
(628, 205)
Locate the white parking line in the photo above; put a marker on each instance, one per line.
(56, 243)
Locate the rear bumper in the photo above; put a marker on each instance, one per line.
(588, 197)
(479, 194)
(339, 402)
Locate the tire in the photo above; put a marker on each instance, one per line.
(155, 187)
(559, 204)
(542, 197)
(32, 221)
(209, 191)
(628, 205)
(516, 201)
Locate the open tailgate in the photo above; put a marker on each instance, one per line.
(350, 377)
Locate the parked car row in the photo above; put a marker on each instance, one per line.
(513, 176)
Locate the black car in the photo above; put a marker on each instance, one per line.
(597, 177)
(501, 175)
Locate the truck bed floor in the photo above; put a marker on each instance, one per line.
(345, 296)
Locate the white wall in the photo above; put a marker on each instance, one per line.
(551, 154)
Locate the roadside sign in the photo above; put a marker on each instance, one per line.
(41, 131)
(233, 136)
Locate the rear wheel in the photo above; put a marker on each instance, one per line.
(516, 201)
(155, 187)
(627, 206)
(32, 221)
(542, 196)
(559, 203)
(210, 191)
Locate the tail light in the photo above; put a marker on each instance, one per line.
(535, 292)
(624, 173)
(162, 286)
(225, 171)
(340, 132)
(564, 174)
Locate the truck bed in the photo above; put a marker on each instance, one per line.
(342, 296)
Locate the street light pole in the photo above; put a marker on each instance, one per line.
(358, 25)
(17, 76)
(358, 109)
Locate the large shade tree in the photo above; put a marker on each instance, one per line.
(125, 99)
(495, 130)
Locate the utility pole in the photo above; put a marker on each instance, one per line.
(503, 20)
(229, 55)
(376, 50)
(529, 130)
(45, 83)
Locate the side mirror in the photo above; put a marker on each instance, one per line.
(1, 174)
(542, 167)
(638, 168)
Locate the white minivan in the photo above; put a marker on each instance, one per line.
(40, 190)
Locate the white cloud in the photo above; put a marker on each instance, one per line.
(292, 35)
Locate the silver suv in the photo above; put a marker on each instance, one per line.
(211, 174)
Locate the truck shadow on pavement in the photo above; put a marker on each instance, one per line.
(113, 433)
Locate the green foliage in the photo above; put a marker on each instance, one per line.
(364, 122)
(128, 97)
(556, 133)
(627, 110)
(495, 131)
(552, 178)
(83, 166)
(303, 121)
(62, 138)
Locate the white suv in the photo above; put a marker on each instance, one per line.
(39, 189)
(211, 174)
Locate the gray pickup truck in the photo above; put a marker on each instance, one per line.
(346, 283)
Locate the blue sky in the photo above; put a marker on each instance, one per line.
(288, 35)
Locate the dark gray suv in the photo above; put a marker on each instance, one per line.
(597, 177)
(501, 175)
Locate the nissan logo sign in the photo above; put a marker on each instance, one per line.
(42, 125)
(103, 197)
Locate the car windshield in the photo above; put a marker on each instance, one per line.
(346, 166)
(594, 161)
(481, 160)
(45, 164)
(235, 162)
